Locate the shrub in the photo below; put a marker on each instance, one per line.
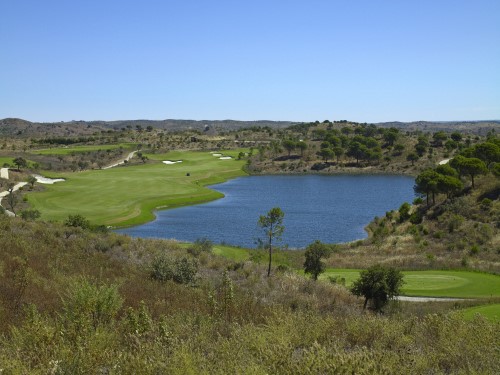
(161, 269)
(77, 221)
(455, 223)
(486, 204)
(181, 271)
(30, 215)
(201, 245)
(88, 305)
(474, 250)
(404, 212)
(418, 200)
(378, 285)
(314, 255)
(416, 218)
(336, 280)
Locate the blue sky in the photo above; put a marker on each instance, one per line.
(279, 60)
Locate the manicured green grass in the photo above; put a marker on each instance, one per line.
(234, 253)
(237, 254)
(77, 149)
(7, 160)
(452, 284)
(10, 160)
(459, 284)
(128, 195)
(490, 312)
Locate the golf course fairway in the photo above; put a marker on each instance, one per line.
(458, 284)
(80, 149)
(128, 195)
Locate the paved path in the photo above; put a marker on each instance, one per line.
(129, 156)
(5, 193)
(429, 299)
(4, 173)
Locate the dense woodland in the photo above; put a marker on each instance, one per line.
(77, 299)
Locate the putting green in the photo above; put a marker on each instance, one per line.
(128, 195)
(459, 284)
(490, 312)
(77, 149)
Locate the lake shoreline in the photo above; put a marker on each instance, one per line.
(307, 199)
(342, 171)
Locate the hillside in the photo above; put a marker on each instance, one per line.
(466, 127)
(76, 301)
(12, 127)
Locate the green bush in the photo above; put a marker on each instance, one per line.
(455, 223)
(30, 215)
(378, 285)
(201, 245)
(486, 204)
(181, 271)
(88, 305)
(77, 221)
(416, 218)
(404, 212)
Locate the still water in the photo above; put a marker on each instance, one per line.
(331, 209)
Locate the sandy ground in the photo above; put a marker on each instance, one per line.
(46, 180)
(129, 156)
(445, 161)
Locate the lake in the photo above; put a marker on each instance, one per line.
(331, 209)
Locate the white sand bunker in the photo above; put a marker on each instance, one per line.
(443, 162)
(4, 173)
(168, 162)
(46, 180)
(225, 157)
(217, 154)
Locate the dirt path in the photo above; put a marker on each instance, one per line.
(129, 156)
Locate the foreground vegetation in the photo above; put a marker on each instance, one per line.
(75, 301)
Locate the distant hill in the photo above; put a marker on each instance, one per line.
(11, 127)
(473, 127)
(14, 127)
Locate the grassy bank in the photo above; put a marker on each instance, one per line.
(128, 195)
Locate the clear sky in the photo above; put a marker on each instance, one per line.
(306, 60)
